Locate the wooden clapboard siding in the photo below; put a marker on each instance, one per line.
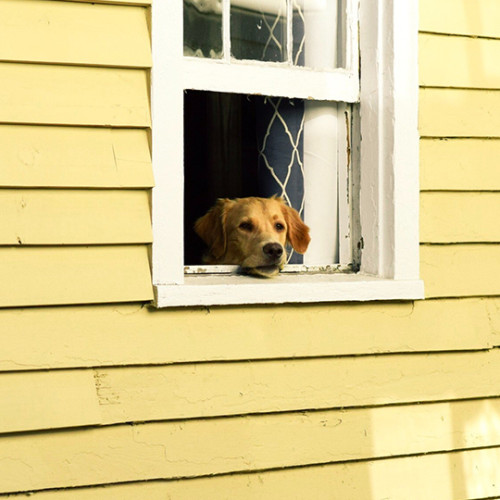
(144, 3)
(142, 394)
(459, 217)
(75, 216)
(74, 157)
(462, 62)
(214, 446)
(31, 276)
(459, 164)
(174, 392)
(462, 17)
(92, 34)
(460, 270)
(136, 335)
(48, 400)
(66, 95)
(443, 476)
(459, 113)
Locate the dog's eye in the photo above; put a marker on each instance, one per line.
(246, 226)
(279, 226)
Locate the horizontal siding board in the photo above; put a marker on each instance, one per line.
(459, 113)
(189, 449)
(138, 335)
(459, 217)
(74, 33)
(444, 476)
(145, 3)
(463, 17)
(460, 270)
(476, 67)
(142, 394)
(175, 392)
(72, 217)
(68, 95)
(46, 400)
(33, 276)
(459, 164)
(74, 157)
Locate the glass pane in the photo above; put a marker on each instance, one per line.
(203, 28)
(318, 33)
(258, 30)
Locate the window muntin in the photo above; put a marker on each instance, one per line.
(310, 33)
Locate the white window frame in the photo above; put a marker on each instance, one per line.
(389, 147)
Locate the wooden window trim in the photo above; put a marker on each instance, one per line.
(389, 187)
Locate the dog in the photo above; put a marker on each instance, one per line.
(252, 233)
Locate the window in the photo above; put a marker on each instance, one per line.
(265, 61)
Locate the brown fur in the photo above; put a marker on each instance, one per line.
(250, 232)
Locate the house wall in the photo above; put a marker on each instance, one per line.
(380, 400)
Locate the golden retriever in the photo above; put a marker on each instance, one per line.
(252, 233)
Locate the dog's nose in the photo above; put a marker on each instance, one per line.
(273, 250)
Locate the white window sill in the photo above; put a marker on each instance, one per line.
(212, 290)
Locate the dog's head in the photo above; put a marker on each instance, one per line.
(252, 233)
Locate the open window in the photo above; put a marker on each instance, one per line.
(263, 97)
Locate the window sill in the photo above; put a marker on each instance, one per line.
(236, 290)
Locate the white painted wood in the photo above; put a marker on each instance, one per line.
(167, 142)
(345, 254)
(271, 79)
(320, 182)
(388, 155)
(231, 290)
(389, 145)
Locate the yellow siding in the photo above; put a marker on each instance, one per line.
(31, 276)
(380, 400)
(463, 17)
(460, 270)
(459, 164)
(76, 217)
(34, 93)
(459, 217)
(136, 335)
(74, 157)
(46, 400)
(122, 30)
(459, 113)
(462, 61)
(214, 446)
(421, 477)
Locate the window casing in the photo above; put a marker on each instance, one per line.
(383, 229)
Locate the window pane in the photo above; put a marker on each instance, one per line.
(318, 33)
(203, 28)
(258, 30)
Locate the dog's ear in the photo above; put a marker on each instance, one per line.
(298, 232)
(211, 228)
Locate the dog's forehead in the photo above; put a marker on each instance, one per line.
(257, 208)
